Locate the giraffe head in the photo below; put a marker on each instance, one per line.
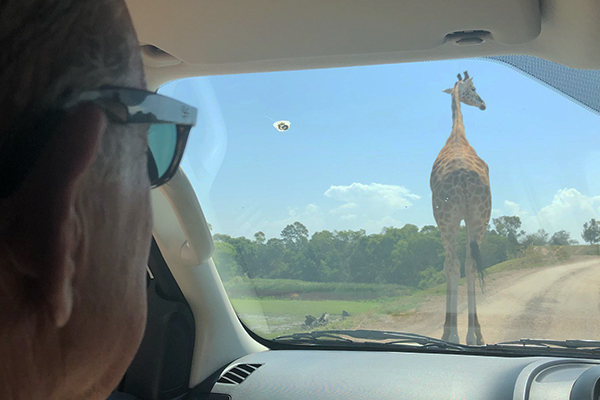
(466, 92)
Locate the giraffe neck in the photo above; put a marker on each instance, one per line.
(457, 135)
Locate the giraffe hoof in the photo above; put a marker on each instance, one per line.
(475, 341)
(451, 338)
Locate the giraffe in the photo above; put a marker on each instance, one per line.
(460, 189)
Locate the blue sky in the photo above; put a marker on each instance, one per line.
(363, 140)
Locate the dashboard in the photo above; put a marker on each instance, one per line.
(354, 375)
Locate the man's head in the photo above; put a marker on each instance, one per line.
(75, 231)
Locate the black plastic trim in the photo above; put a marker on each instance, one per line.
(168, 287)
(203, 390)
(515, 352)
(162, 366)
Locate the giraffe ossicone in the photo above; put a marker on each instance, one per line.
(461, 192)
(467, 93)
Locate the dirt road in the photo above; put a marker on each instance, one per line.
(558, 302)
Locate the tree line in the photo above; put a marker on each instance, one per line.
(408, 256)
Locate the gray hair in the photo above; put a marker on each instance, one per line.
(53, 49)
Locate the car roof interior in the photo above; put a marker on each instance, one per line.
(189, 38)
(184, 38)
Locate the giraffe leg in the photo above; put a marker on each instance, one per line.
(451, 323)
(452, 270)
(474, 336)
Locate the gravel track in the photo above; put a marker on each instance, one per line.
(557, 302)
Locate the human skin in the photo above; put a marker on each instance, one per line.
(75, 236)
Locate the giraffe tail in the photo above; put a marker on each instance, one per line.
(476, 254)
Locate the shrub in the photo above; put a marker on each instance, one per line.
(431, 277)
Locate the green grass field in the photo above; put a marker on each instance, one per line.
(273, 317)
(302, 290)
(301, 307)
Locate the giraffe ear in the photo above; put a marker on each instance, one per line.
(449, 91)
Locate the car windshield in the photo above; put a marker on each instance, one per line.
(328, 213)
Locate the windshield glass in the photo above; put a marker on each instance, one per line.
(326, 214)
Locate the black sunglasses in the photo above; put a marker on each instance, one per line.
(170, 124)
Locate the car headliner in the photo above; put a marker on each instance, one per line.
(184, 38)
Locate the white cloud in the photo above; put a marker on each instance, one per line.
(376, 225)
(311, 216)
(568, 210)
(313, 209)
(344, 208)
(370, 207)
(389, 196)
(513, 208)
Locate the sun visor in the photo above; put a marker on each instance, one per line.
(237, 31)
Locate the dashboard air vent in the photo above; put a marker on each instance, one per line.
(238, 374)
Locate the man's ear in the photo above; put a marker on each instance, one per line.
(45, 234)
(449, 91)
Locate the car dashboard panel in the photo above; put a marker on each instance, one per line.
(359, 375)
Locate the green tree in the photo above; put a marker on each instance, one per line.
(403, 233)
(430, 277)
(430, 229)
(371, 259)
(591, 231)
(322, 253)
(295, 234)
(272, 259)
(295, 239)
(407, 255)
(561, 238)
(508, 226)
(246, 254)
(539, 238)
(347, 244)
(225, 260)
(418, 253)
(300, 266)
(259, 237)
(493, 249)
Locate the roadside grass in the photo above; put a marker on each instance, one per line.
(301, 307)
(273, 317)
(533, 257)
(583, 250)
(544, 256)
(529, 260)
(303, 290)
